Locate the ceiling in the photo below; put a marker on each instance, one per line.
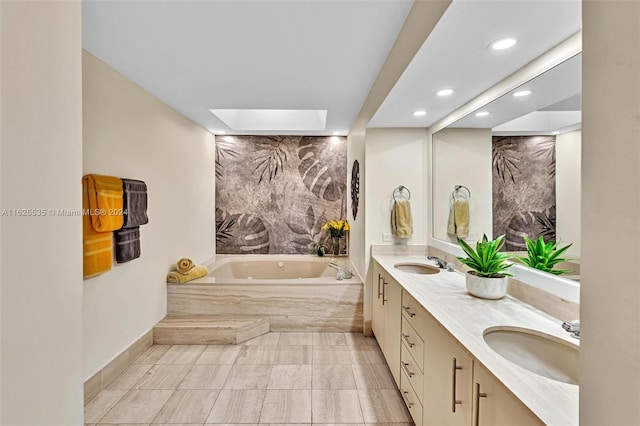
(314, 55)
(265, 54)
(456, 55)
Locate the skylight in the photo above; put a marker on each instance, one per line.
(272, 119)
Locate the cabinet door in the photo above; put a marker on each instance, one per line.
(448, 373)
(392, 324)
(494, 405)
(377, 307)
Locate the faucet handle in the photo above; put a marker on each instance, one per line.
(572, 326)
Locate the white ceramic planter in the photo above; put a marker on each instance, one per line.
(486, 288)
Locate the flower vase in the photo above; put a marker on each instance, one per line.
(335, 246)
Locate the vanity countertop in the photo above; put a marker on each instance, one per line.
(466, 317)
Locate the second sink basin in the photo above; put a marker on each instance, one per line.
(416, 268)
(537, 352)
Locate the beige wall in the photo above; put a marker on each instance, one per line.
(393, 157)
(129, 133)
(41, 257)
(610, 296)
(355, 151)
(568, 190)
(462, 157)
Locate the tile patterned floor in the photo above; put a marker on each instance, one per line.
(277, 378)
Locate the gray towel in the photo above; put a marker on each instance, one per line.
(127, 244)
(135, 203)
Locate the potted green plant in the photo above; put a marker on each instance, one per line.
(544, 255)
(319, 248)
(488, 277)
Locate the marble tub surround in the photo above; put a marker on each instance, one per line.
(214, 384)
(548, 302)
(466, 318)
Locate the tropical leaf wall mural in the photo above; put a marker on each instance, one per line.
(524, 189)
(274, 193)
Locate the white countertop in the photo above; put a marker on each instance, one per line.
(466, 317)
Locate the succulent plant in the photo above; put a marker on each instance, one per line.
(486, 260)
(544, 255)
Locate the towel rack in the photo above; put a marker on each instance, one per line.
(456, 188)
(399, 190)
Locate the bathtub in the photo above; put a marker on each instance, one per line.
(293, 292)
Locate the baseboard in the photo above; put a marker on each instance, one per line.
(368, 332)
(113, 369)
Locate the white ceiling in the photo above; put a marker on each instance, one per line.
(265, 54)
(315, 54)
(456, 55)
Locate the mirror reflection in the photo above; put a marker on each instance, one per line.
(513, 167)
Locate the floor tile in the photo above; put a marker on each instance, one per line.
(226, 354)
(295, 338)
(331, 355)
(138, 406)
(130, 376)
(288, 355)
(290, 377)
(373, 376)
(182, 354)
(358, 339)
(188, 406)
(248, 377)
(366, 355)
(333, 377)
(102, 403)
(286, 406)
(237, 406)
(335, 406)
(329, 339)
(269, 339)
(163, 377)
(206, 377)
(153, 354)
(385, 405)
(256, 355)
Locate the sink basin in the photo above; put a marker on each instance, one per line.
(537, 352)
(417, 268)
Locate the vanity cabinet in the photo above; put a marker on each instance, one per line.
(386, 322)
(494, 405)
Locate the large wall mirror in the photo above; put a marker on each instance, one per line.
(519, 159)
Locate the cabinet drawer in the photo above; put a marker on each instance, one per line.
(410, 399)
(413, 373)
(413, 343)
(415, 314)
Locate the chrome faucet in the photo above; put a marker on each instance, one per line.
(442, 264)
(572, 327)
(343, 274)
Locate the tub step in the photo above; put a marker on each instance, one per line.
(202, 330)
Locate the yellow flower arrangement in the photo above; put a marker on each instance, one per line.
(336, 228)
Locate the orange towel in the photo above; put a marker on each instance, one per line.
(97, 247)
(105, 202)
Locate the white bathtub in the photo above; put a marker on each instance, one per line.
(293, 292)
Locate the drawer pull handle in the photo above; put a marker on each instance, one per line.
(406, 339)
(405, 395)
(384, 282)
(408, 311)
(478, 396)
(405, 366)
(454, 401)
(379, 292)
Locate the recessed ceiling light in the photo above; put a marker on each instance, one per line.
(220, 132)
(504, 43)
(522, 93)
(482, 113)
(419, 113)
(336, 133)
(555, 132)
(444, 92)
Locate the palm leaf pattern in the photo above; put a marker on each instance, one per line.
(224, 149)
(271, 159)
(547, 149)
(505, 159)
(307, 233)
